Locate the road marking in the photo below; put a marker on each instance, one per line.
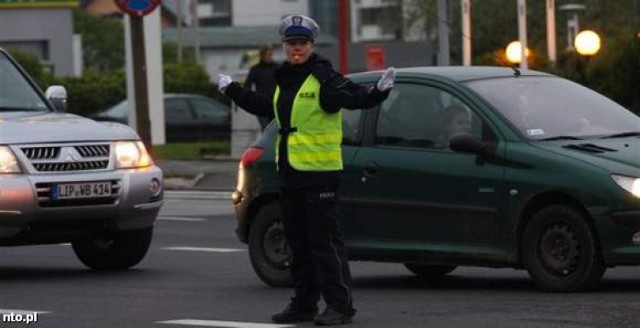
(222, 324)
(203, 249)
(175, 218)
(22, 312)
(200, 195)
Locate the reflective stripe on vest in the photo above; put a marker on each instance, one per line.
(315, 145)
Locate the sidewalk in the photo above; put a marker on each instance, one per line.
(203, 174)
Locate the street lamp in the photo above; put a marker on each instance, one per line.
(573, 24)
(587, 43)
(514, 52)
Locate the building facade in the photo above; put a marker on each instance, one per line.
(40, 28)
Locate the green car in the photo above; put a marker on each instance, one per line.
(471, 166)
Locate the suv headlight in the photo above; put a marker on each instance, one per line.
(629, 184)
(132, 154)
(8, 161)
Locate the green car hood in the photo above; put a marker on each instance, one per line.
(621, 155)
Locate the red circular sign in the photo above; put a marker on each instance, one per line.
(137, 8)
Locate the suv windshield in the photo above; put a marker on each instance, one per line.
(551, 108)
(16, 94)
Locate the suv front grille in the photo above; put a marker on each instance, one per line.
(36, 153)
(74, 166)
(93, 150)
(43, 190)
(68, 158)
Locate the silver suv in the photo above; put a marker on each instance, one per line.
(65, 178)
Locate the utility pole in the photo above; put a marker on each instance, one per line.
(196, 27)
(143, 124)
(551, 30)
(466, 32)
(443, 32)
(343, 35)
(522, 32)
(180, 31)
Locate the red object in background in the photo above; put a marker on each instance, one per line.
(375, 57)
(137, 8)
(343, 35)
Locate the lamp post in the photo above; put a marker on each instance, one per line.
(573, 24)
(522, 32)
(587, 44)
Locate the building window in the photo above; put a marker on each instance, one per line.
(214, 12)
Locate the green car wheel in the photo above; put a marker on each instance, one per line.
(270, 256)
(560, 250)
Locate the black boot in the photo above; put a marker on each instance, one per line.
(293, 313)
(332, 317)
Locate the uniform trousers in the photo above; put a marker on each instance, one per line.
(319, 265)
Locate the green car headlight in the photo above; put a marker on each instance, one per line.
(629, 184)
(8, 161)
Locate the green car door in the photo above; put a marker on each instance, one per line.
(407, 190)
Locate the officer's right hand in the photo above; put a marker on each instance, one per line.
(387, 80)
(223, 82)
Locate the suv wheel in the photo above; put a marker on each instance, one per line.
(268, 250)
(560, 250)
(424, 270)
(113, 250)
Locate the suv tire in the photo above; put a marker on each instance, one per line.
(561, 251)
(113, 250)
(270, 256)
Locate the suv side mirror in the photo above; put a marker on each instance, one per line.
(57, 95)
(465, 143)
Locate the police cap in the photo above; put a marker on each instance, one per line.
(296, 27)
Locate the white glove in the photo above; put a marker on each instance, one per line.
(386, 81)
(223, 82)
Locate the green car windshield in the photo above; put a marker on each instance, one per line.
(551, 108)
(16, 93)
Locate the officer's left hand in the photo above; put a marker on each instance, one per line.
(386, 81)
(223, 82)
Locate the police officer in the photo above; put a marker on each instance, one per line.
(307, 107)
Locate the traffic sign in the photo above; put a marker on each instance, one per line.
(137, 8)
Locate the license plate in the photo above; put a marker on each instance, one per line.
(81, 190)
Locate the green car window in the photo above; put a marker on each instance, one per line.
(420, 116)
(550, 107)
(351, 126)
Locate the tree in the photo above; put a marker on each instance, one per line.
(494, 22)
(615, 71)
(30, 63)
(102, 41)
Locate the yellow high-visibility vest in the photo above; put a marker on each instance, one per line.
(314, 143)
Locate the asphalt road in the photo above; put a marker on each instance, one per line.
(198, 275)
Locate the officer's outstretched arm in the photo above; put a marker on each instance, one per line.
(341, 92)
(252, 102)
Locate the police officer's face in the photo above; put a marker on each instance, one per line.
(297, 51)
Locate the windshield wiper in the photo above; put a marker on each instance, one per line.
(560, 138)
(622, 135)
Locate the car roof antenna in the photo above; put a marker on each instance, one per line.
(516, 71)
